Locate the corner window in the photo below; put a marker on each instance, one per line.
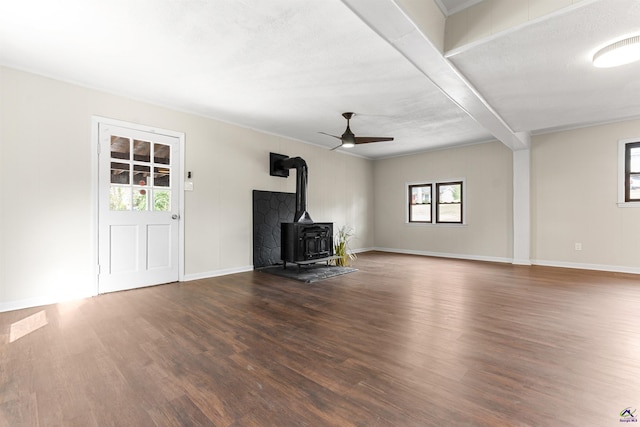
(629, 173)
(436, 202)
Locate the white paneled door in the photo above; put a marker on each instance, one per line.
(139, 207)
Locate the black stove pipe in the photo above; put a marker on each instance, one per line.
(300, 165)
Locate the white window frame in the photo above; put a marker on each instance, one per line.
(434, 205)
(622, 144)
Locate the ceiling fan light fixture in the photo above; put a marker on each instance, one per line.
(348, 138)
(619, 53)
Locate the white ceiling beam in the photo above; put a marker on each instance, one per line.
(392, 23)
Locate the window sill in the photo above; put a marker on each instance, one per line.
(629, 204)
(431, 224)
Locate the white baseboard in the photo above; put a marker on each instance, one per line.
(216, 273)
(583, 266)
(525, 262)
(360, 250)
(446, 255)
(40, 301)
(56, 299)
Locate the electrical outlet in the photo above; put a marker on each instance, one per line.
(578, 246)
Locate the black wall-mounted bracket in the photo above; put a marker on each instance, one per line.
(275, 165)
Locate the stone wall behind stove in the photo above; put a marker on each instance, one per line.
(270, 209)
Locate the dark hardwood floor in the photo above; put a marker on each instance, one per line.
(405, 341)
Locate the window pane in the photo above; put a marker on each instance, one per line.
(634, 186)
(120, 147)
(420, 195)
(141, 174)
(120, 173)
(120, 198)
(449, 193)
(450, 212)
(635, 159)
(141, 150)
(139, 199)
(162, 200)
(162, 154)
(421, 213)
(161, 177)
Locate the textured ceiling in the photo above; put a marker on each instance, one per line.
(544, 78)
(291, 67)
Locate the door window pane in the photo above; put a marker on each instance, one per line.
(161, 177)
(120, 147)
(162, 200)
(162, 154)
(141, 151)
(120, 173)
(120, 198)
(140, 199)
(141, 174)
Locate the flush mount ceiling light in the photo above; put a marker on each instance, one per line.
(618, 53)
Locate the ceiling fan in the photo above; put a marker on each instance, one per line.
(349, 140)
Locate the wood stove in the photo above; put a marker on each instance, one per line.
(306, 242)
(302, 241)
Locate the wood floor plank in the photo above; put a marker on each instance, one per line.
(405, 341)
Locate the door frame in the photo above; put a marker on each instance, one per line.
(96, 121)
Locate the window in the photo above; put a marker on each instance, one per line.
(632, 172)
(446, 208)
(629, 173)
(140, 181)
(449, 202)
(420, 203)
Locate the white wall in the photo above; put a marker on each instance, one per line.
(47, 207)
(488, 233)
(574, 200)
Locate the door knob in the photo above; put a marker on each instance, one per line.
(175, 216)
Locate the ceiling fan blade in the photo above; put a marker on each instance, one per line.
(348, 139)
(338, 146)
(368, 139)
(328, 134)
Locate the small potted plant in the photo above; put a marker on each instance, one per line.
(341, 246)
